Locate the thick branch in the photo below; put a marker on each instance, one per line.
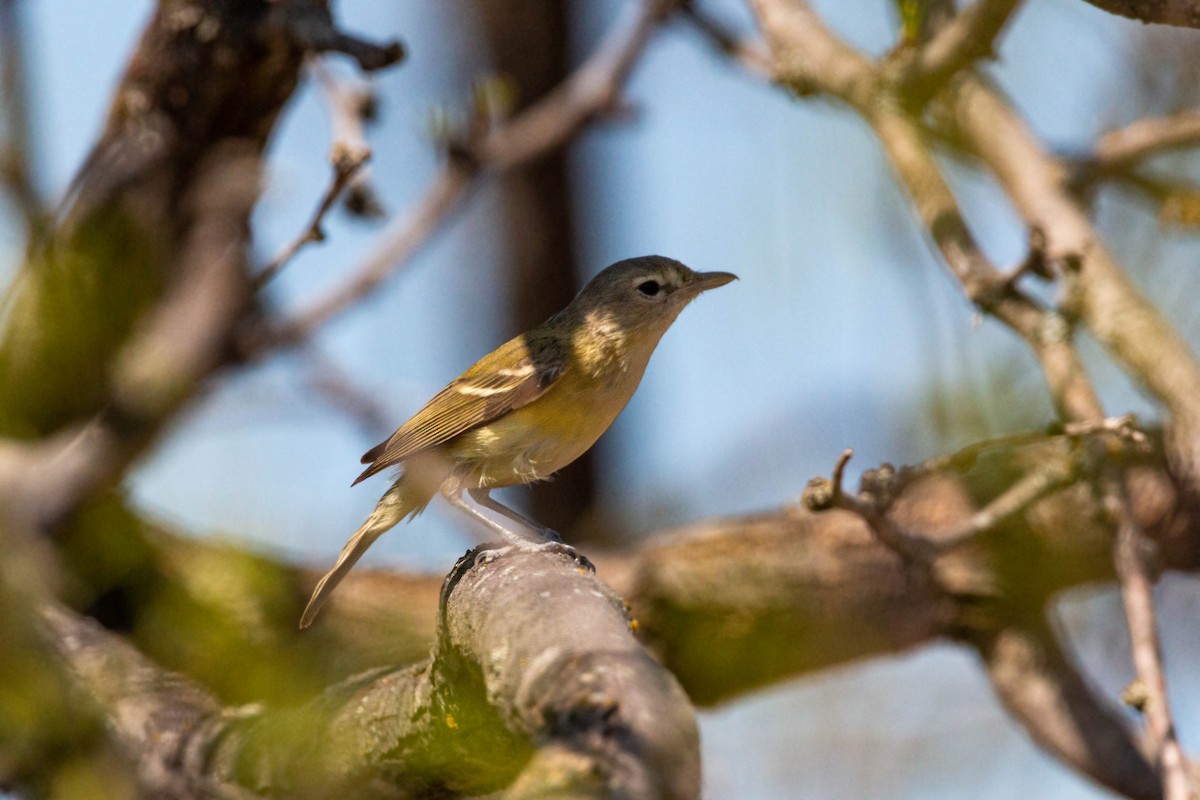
(565, 704)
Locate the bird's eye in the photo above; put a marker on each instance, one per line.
(649, 288)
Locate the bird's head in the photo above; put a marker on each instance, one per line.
(645, 293)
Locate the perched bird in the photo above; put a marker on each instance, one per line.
(527, 409)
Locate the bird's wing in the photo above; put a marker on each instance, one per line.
(516, 373)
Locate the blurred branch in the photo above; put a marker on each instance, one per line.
(751, 55)
(1038, 685)
(1125, 147)
(1166, 12)
(164, 724)
(342, 394)
(811, 58)
(310, 25)
(349, 107)
(964, 39)
(16, 154)
(547, 125)
(1100, 295)
(183, 340)
(592, 717)
(1133, 574)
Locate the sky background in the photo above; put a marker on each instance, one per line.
(843, 332)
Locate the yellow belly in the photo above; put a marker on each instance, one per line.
(535, 441)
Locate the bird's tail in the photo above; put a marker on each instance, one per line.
(403, 499)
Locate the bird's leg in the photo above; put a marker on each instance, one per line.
(484, 498)
(528, 537)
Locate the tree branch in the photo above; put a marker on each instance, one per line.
(809, 56)
(966, 38)
(545, 126)
(1101, 296)
(1181, 13)
(1125, 147)
(1037, 683)
(589, 716)
(1136, 584)
(349, 106)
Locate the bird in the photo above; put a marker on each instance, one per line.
(526, 410)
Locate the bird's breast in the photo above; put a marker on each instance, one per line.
(533, 442)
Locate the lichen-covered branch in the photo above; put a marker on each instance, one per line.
(565, 704)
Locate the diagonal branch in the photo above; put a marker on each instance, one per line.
(349, 106)
(1133, 574)
(1102, 296)
(545, 126)
(1037, 683)
(810, 57)
(966, 38)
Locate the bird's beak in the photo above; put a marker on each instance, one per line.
(711, 280)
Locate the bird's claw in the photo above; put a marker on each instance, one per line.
(552, 545)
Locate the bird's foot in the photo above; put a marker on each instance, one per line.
(550, 545)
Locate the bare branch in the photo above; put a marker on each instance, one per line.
(963, 40)
(311, 26)
(1102, 297)
(396, 246)
(1136, 593)
(1166, 12)
(348, 107)
(809, 56)
(547, 125)
(751, 55)
(1039, 687)
(15, 147)
(1117, 153)
(340, 391)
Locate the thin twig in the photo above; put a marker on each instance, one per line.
(822, 494)
(751, 55)
(1137, 596)
(394, 250)
(1042, 481)
(15, 149)
(545, 126)
(349, 105)
(1123, 147)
